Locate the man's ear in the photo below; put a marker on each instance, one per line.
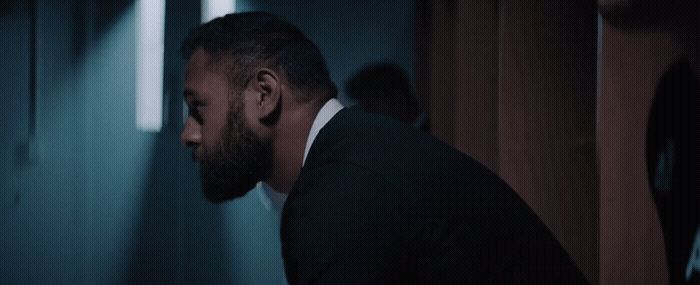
(268, 95)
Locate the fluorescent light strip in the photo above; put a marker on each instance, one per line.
(216, 8)
(150, 25)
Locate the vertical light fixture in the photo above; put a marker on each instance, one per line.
(150, 25)
(215, 8)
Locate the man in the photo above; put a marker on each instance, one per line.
(384, 88)
(673, 165)
(370, 200)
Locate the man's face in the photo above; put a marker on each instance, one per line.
(231, 156)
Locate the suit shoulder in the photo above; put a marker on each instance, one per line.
(343, 188)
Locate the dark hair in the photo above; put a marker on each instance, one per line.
(386, 80)
(244, 40)
(384, 88)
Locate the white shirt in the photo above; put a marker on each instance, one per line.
(270, 199)
(327, 112)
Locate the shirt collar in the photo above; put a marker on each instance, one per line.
(324, 115)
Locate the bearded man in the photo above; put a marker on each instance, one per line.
(370, 200)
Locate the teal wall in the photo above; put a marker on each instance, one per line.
(102, 202)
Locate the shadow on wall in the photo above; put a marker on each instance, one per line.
(105, 203)
(179, 237)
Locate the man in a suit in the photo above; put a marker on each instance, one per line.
(370, 200)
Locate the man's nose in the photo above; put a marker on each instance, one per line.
(191, 134)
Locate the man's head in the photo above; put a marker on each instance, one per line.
(244, 73)
(384, 88)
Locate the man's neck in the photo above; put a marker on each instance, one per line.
(288, 147)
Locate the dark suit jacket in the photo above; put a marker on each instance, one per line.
(379, 202)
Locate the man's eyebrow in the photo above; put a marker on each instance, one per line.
(189, 93)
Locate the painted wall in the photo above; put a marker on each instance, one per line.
(101, 202)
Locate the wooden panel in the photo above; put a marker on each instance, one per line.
(457, 73)
(631, 241)
(476, 86)
(440, 59)
(547, 104)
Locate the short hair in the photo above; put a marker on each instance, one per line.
(245, 40)
(382, 81)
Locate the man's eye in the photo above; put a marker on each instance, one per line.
(195, 111)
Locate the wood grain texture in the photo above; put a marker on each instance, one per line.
(512, 84)
(631, 241)
(457, 73)
(546, 111)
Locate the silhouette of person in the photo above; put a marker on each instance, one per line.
(384, 88)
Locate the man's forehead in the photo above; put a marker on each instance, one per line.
(199, 59)
(202, 61)
(200, 77)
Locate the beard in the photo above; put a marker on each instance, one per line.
(240, 161)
